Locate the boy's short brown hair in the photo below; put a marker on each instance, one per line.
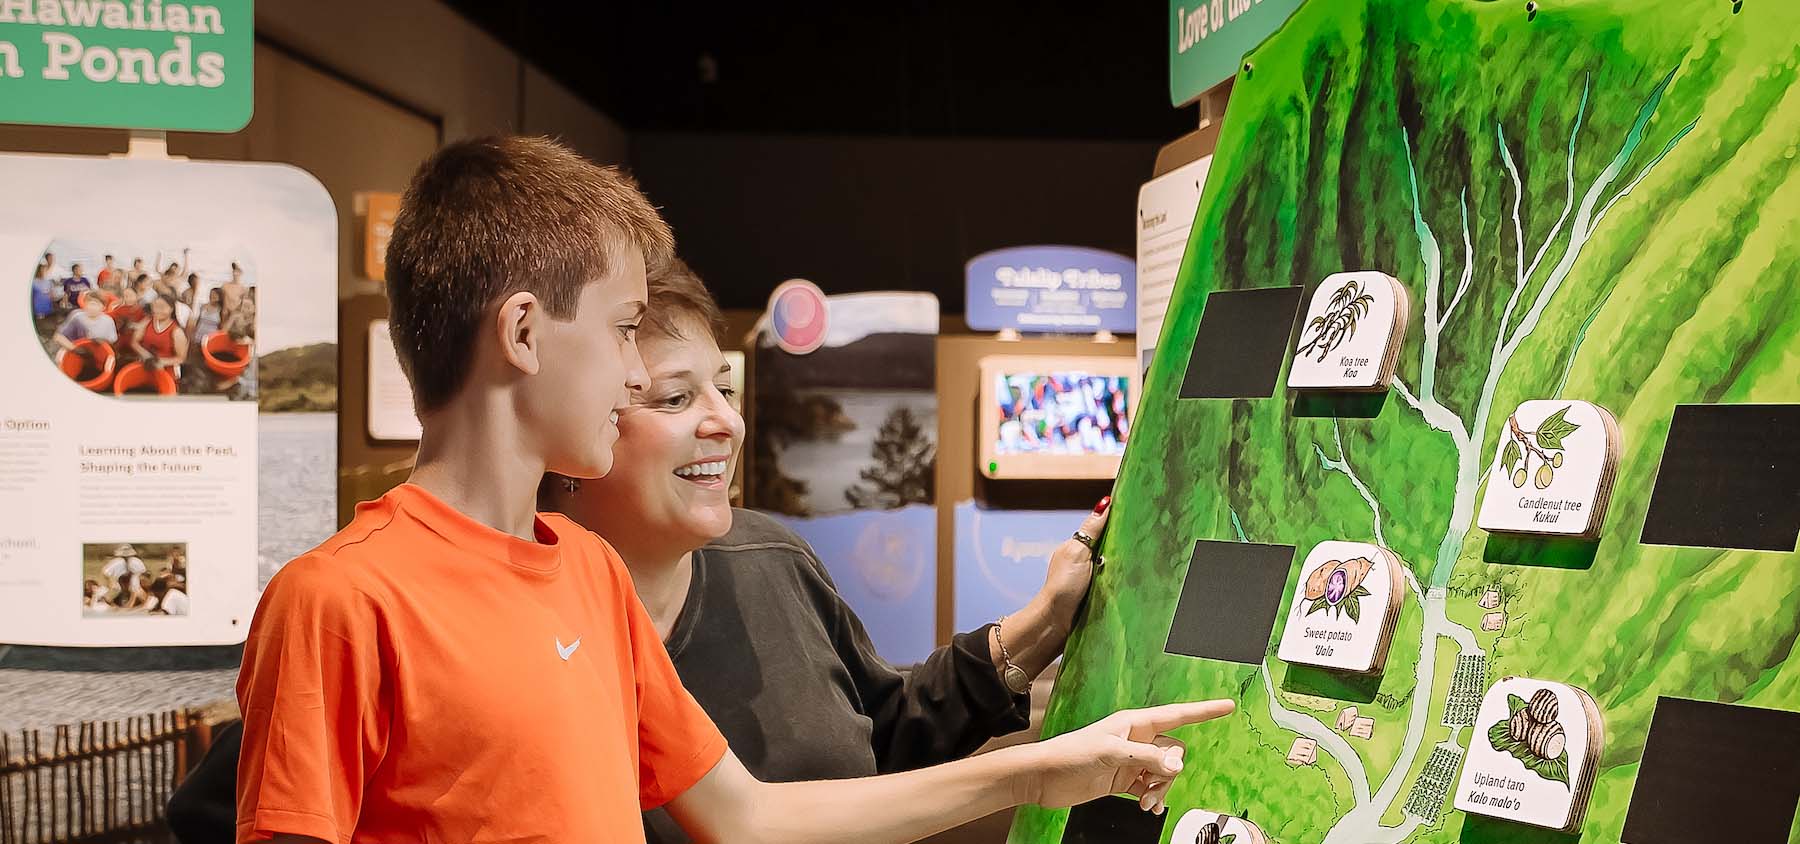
(489, 217)
(677, 294)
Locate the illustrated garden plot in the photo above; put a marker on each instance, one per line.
(1466, 688)
(1599, 202)
(1433, 784)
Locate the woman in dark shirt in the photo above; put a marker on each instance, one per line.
(752, 621)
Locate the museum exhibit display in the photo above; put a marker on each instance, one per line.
(1590, 206)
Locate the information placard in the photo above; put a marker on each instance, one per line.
(379, 210)
(155, 65)
(1208, 37)
(391, 414)
(1052, 290)
(1165, 217)
(170, 424)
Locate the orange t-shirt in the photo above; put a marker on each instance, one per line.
(423, 677)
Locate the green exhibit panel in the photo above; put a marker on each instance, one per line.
(1593, 210)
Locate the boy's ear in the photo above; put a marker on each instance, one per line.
(520, 325)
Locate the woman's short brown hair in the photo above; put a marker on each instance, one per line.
(676, 297)
(489, 217)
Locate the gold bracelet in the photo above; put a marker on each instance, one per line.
(1012, 675)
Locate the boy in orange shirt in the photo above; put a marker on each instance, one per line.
(453, 666)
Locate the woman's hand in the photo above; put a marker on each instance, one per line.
(1034, 635)
(1072, 569)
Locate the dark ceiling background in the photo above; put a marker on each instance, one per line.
(867, 146)
(983, 69)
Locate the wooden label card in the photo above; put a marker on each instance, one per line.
(1533, 755)
(1553, 470)
(1345, 608)
(1201, 826)
(1352, 334)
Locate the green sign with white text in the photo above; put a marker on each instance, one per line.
(138, 64)
(1207, 38)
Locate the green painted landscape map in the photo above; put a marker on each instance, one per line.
(1594, 200)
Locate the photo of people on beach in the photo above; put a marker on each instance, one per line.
(134, 319)
(121, 579)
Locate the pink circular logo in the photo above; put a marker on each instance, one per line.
(797, 316)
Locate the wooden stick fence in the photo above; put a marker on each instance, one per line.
(99, 781)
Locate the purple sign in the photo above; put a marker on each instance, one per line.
(1051, 290)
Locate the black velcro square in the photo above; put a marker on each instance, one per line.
(1730, 478)
(1243, 337)
(1716, 772)
(1112, 820)
(1230, 600)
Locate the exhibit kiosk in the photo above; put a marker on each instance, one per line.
(1465, 461)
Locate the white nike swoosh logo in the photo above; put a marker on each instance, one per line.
(565, 653)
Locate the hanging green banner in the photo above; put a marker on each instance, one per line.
(1208, 37)
(139, 64)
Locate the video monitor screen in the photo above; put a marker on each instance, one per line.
(1062, 413)
(1055, 417)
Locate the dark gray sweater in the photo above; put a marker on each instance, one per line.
(785, 669)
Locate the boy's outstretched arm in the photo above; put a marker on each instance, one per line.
(1125, 753)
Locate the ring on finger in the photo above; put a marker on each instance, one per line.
(1086, 540)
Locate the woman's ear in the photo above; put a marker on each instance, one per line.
(519, 325)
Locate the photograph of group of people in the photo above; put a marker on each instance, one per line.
(175, 323)
(144, 578)
(1066, 413)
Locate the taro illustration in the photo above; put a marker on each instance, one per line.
(1212, 833)
(1545, 444)
(1337, 586)
(1534, 736)
(1338, 324)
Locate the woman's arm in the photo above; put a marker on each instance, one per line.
(943, 709)
(954, 701)
(1034, 635)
